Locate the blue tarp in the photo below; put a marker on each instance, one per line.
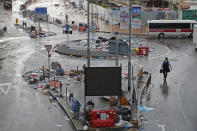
(143, 109)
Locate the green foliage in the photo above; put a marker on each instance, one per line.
(104, 5)
(93, 1)
(136, 3)
(173, 6)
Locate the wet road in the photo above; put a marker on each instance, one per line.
(174, 102)
(22, 108)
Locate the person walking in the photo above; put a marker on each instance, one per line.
(166, 67)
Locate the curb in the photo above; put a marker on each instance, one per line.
(144, 87)
(51, 93)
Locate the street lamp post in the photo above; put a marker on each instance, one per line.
(88, 22)
(117, 51)
(129, 62)
(88, 50)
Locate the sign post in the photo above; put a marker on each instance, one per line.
(48, 48)
(41, 12)
(67, 28)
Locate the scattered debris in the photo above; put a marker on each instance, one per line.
(147, 109)
(123, 123)
(66, 118)
(85, 127)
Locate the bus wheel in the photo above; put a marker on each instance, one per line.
(191, 35)
(161, 35)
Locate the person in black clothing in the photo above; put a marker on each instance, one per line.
(166, 67)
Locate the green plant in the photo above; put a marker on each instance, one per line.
(173, 6)
(93, 1)
(104, 5)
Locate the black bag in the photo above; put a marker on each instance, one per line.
(161, 71)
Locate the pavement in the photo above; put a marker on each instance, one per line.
(77, 88)
(61, 11)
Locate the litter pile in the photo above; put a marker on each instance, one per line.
(40, 78)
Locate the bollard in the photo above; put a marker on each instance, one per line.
(16, 21)
(35, 32)
(40, 28)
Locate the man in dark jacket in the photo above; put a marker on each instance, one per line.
(166, 67)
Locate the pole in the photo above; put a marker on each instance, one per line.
(129, 62)
(112, 21)
(43, 74)
(88, 48)
(68, 38)
(61, 89)
(92, 21)
(117, 55)
(133, 95)
(39, 25)
(48, 22)
(66, 16)
(66, 93)
(49, 64)
(88, 53)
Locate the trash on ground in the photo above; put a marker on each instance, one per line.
(66, 118)
(123, 123)
(85, 127)
(143, 109)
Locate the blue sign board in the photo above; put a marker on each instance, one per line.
(41, 10)
(67, 27)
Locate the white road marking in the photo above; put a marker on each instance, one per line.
(162, 127)
(10, 38)
(9, 85)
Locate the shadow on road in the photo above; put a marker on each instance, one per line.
(164, 88)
